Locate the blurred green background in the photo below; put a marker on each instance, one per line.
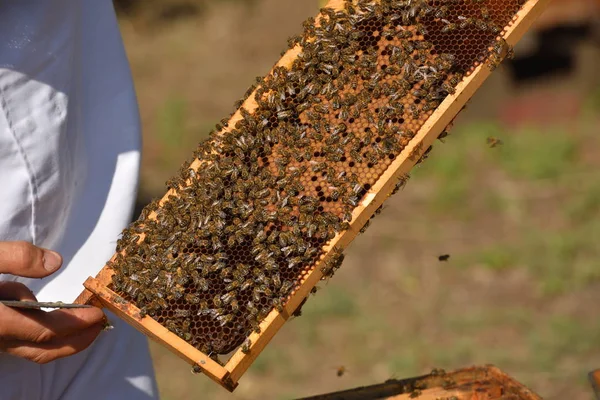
(521, 221)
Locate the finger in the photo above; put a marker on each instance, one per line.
(27, 260)
(15, 291)
(43, 353)
(39, 326)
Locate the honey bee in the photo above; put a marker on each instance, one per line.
(340, 371)
(179, 313)
(485, 12)
(228, 298)
(479, 23)
(217, 301)
(449, 27)
(225, 319)
(276, 280)
(494, 142)
(246, 346)
(441, 12)
(192, 298)
(256, 294)
(278, 304)
(502, 49)
(415, 111)
(201, 283)
(196, 369)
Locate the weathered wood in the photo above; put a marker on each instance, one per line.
(473, 383)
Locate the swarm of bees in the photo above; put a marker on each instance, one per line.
(265, 196)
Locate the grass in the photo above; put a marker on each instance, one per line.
(531, 154)
(171, 122)
(559, 259)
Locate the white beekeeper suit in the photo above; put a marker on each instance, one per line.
(69, 163)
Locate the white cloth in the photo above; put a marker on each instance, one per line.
(69, 164)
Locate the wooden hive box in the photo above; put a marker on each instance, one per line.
(366, 179)
(474, 383)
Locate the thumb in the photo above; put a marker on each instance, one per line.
(26, 260)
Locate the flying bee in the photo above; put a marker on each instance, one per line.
(340, 371)
(444, 257)
(494, 142)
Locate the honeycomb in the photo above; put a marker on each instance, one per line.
(240, 231)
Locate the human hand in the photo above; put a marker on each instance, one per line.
(37, 335)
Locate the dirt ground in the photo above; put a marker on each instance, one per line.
(520, 221)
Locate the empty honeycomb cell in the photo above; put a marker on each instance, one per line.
(246, 227)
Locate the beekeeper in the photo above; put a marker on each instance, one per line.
(69, 163)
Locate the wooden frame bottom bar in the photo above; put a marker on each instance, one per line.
(99, 293)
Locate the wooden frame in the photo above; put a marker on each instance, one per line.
(97, 292)
(485, 382)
